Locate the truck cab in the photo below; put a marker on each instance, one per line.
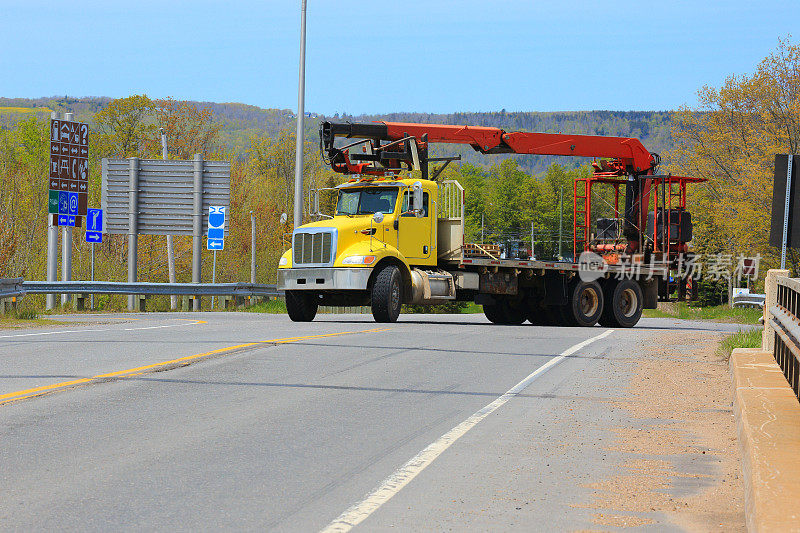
(383, 233)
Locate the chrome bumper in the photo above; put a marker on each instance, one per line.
(292, 279)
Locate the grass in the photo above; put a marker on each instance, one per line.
(24, 110)
(273, 306)
(719, 313)
(24, 318)
(743, 339)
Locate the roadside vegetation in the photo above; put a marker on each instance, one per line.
(718, 313)
(743, 339)
(24, 318)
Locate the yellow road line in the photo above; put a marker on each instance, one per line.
(38, 391)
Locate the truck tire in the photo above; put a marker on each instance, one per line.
(301, 305)
(585, 304)
(515, 312)
(387, 294)
(539, 314)
(494, 312)
(623, 307)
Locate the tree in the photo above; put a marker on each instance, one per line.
(125, 127)
(190, 129)
(731, 139)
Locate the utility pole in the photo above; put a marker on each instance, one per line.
(173, 299)
(301, 92)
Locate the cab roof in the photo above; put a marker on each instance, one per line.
(372, 181)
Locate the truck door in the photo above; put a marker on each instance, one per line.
(415, 233)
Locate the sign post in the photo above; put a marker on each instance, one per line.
(215, 238)
(93, 235)
(786, 209)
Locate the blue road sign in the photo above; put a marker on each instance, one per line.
(62, 220)
(73, 203)
(94, 220)
(216, 223)
(215, 244)
(70, 221)
(63, 204)
(94, 225)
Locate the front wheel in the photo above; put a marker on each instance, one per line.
(301, 305)
(386, 294)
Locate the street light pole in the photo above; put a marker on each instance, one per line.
(301, 92)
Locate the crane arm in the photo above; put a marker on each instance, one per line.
(628, 155)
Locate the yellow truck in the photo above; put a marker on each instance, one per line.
(395, 240)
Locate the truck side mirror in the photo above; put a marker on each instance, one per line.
(378, 217)
(417, 198)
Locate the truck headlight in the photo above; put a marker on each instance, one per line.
(359, 260)
(283, 261)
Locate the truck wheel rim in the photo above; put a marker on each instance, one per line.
(589, 302)
(627, 303)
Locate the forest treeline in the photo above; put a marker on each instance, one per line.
(729, 138)
(240, 122)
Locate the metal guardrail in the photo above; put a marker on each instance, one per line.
(11, 288)
(749, 300)
(150, 289)
(786, 324)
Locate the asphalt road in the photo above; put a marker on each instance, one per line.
(298, 423)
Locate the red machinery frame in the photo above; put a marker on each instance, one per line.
(668, 191)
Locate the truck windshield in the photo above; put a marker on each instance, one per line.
(367, 201)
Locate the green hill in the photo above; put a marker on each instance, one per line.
(240, 121)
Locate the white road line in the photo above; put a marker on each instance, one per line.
(403, 475)
(96, 330)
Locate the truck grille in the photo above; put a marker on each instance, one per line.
(313, 248)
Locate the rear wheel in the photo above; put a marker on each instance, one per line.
(301, 305)
(515, 311)
(539, 315)
(623, 307)
(494, 312)
(386, 294)
(585, 304)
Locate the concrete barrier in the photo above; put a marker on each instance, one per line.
(768, 426)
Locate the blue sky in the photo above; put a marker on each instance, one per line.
(375, 57)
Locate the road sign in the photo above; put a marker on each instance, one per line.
(216, 222)
(66, 220)
(69, 164)
(52, 203)
(94, 225)
(165, 198)
(216, 227)
(63, 203)
(73, 203)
